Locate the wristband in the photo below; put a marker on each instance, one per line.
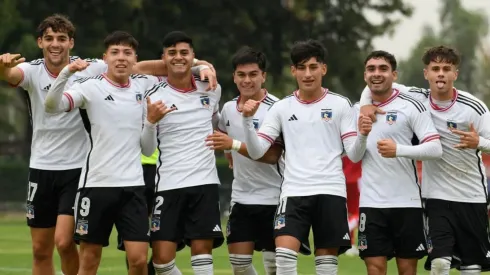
(235, 146)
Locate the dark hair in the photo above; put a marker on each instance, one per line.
(172, 38)
(247, 55)
(302, 51)
(441, 54)
(121, 38)
(382, 55)
(58, 23)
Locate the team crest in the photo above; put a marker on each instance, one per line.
(451, 125)
(139, 98)
(228, 230)
(280, 222)
(205, 101)
(30, 211)
(429, 245)
(256, 124)
(391, 117)
(326, 114)
(82, 227)
(362, 242)
(155, 224)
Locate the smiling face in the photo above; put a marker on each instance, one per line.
(120, 60)
(56, 47)
(179, 58)
(249, 79)
(379, 75)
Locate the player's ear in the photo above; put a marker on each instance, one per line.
(40, 42)
(264, 77)
(456, 73)
(425, 73)
(324, 69)
(293, 70)
(72, 43)
(104, 57)
(395, 75)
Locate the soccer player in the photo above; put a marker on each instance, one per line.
(391, 220)
(59, 142)
(111, 188)
(186, 203)
(317, 125)
(453, 186)
(256, 186)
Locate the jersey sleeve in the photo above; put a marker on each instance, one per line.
(222, 121)
(420, 94)
(422, 124)
(96, 67)
(271, 128)
(26, 70)
(348, 122)
(482, 126)
(76, 96)
(218, 97)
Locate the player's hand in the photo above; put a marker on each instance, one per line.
(156, 110)
(387, 148)
(209, 73)
(219, 141)
(468, 140)
(250, 107)
(78, 65)
(365, 125)
(9, 60)
(371, 111)
(229, 157)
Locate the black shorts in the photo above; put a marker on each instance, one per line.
(149, 174)
(391, 232)
(325, 214)
(187, 214)
(50, 193)
(252, 223)
(458, 230)
(98, 209)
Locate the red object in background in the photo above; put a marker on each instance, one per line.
(352, 173)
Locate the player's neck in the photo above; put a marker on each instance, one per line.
(182, 83)
(120, 80)
(257, 96)
(442, 96)
(310, 95)
(53, 69)
(382, 97)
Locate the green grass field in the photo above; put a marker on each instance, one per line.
(15, 256)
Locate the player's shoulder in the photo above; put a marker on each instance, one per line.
(412, 102)
(230, 104)
(471, 102)
(341, 99)
(89, 80)
(156, 87)
(270, 99)
(35, 62)
(357, 106)
(415, 90)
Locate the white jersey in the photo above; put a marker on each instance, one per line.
(460, 174)
(112, 116)
(184, 159)
(313, 134)
(393, 182)
(254, 182)
(59, 141)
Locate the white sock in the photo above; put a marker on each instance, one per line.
(286, 261)
(242, 264)
(202, 264)
(471, 270)
(269, 259)
(326, 265)
(167, 269)
(440, 266)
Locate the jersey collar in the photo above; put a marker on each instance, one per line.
(394, 94)
(117, 85)
(296, 95)
(439, 109)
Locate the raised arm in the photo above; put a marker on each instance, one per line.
(58, 100)
(354, 143)
(9, 70)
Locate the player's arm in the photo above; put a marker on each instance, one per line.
(9, 71)
(216, 114)
(259, 143)
(219, 140)
(354, 143)
(158, 68)
(429, 147)
(58, 100)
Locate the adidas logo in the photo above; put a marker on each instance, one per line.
(346, 237)
(47, 88)
(422, 248)
(173, 106)
(110, 98)
(293, 117)
(227, 123)
(488, 254)
(217, 229)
